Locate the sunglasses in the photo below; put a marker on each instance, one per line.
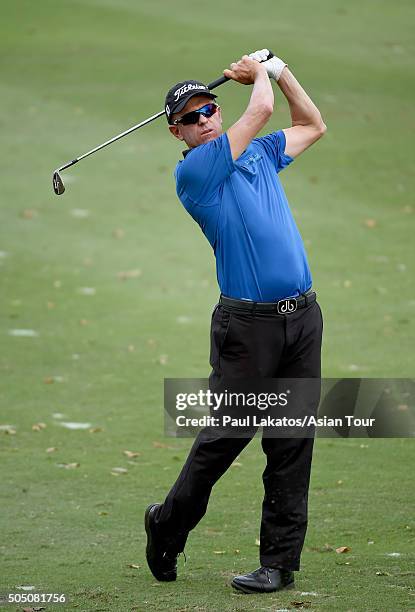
(193, 117)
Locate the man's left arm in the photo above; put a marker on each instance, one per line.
(307, 123)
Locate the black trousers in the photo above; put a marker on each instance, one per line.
(252, 345)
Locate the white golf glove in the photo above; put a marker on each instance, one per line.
(274, 66)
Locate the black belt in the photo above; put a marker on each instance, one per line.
(282, 307)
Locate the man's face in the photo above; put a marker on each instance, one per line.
(207, 128)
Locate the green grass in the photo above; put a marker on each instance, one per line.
(76, 73)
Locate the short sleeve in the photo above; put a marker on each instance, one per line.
(273, 146)
(203, 170)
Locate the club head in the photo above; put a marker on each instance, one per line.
(58, 186)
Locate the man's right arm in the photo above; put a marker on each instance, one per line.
(260, 107)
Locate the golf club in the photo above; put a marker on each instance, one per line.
(59, 187)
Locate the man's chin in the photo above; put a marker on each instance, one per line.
(210, 135)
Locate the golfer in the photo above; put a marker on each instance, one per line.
(267, 323)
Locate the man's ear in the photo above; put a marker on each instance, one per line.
(220, 114)
(175, 130)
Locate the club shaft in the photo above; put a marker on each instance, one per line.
(218, 82)
(212, 85)
(111, 140)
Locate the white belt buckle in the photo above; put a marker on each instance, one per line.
(286, 306)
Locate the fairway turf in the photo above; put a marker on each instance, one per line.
(118, 283)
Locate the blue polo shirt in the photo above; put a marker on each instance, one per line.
(242, 209)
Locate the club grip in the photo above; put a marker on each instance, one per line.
(223, 79)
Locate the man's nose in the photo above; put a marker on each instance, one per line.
(202, 119)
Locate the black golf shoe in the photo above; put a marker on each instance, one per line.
(264, 580)
(161, 558)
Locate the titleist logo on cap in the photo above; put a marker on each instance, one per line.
(182, 90)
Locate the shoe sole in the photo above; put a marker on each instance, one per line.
(159, 577)
(248, 591)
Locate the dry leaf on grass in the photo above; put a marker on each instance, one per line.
(95, 430)
(118, 233)
(23, 333)
(117, 471)
(80, 213)
(301, 604)
(38, 426)
(87, 290)
(49, 380)
(157, 444)
(8, 429)
(343, 549)
(129, 274)
(370, 223)
(322, 549)
(68, 466)
(25, 587)
(51, 449)
(219, 552)
(257, 542)
(74, 426)
(213, 531)
(133, 566)
(183, 319)
(28, 213)
(131, 454)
